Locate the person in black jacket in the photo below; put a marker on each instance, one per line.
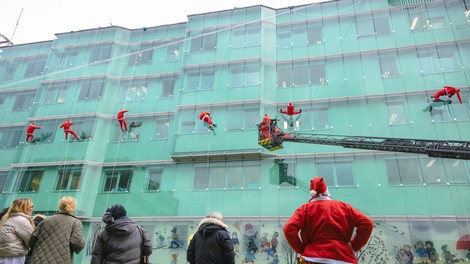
(122, 241)
(211, 244)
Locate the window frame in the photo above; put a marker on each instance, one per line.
(72, 173)
(109, 174)
(28, 182)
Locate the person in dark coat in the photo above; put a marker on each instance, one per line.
(121, 240)
(211, 244)
(59, 236)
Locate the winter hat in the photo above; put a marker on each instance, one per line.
(114, 212)
(318, 187)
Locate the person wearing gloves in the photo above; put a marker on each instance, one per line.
(121, 241)
(321, 231)
(211, 244)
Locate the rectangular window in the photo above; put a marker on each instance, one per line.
(242, 118)
(135, 91)
(3, 182)
(336, 173)
(300, 74)
(47, 133)
(389, 65)
(190, 123)
(369, 25)
(168, 86)
(84, 127)
(244, 74)
(172, 51)
(316, 118)
(201, 80)
(23, 101)
(133, 131)
(246, 35)
(141, 54)
(55, 94)
(69, 179)
(10, 137)
(91, 90)
(117, 181)
(314, 33)
(67, 58)
(100, 52)
(35, 67)
(163, 125)
(422, 19)
(201, 178)
(397, 113)
(203, 40)
(403, 171)
(28, 181)
(8, 71)
(155, 179)
(230, 176)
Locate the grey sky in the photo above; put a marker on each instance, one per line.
(41, 19)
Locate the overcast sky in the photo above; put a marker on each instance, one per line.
(41, 19)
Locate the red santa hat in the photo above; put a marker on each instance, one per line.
(318, 187)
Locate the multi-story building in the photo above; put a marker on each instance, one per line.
(354, 67)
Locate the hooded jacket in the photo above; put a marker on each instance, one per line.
(14, 235)
(211, 244)
(121, 242)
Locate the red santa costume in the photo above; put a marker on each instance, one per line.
(447, 91)
(326, 228)
(291, 110)
(206, 117)
(66, 125)
(120, 118)
(30, 131)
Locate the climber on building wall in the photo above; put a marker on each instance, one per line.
(30, 132)
(206, 117)
(120, 118)
(66, 126)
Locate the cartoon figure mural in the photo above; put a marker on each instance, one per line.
(404, 255)
(236, 242)
(175, 242)
(420, 250)
(431, 252)
(250, 243)
(274, 242)
(447, 256)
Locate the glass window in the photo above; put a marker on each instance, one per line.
(317, 72)
(23, 101)
(403, 171)
(299, 35)
(203, 40)
(246, 35)
(155, 179)
(202, 80)
(141, 54)
(235, 178)
(163, 125)
(168, 85)
(35, 67)
(397, 113)
(314, 33)
(230, 176)
(422, 19)
(216, 177)
(8, 71)
(389, 65)
(10, 137)
(47, 133)
(91, 90)
(244, 74)
(172, 51)
(67, 58)
(336, 173)
(426, 60)
(117, 181)
(283, 37)
(100, 52)
(365, 26)
(69, 179)
(242, 118)
(84, 127)
(446, 57)
(55, 93)
(28, 181)
(135, 91)
(312, 119)
(284, 75)
(382, 24)
(201, 178)
(457, 171)
(252, 176)
(3, 182)
(133, 132)
(300, 73)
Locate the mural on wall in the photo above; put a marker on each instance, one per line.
(258, 242)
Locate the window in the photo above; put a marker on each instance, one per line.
(336, 173)
(91, 90)
(316, 118)
(403, 171)
(23, 101)
(373, 25)
(301, 73)
(141, 54)
(155, 178)
(55, 93)
(163, 125)
(229, 176)
(35, 67)
(200, 80)
(434, 60)
(67, 58)
(314, 33)
(242, 118)
(172, 51)
(3, 182)
(100, 52)
(133, 131)
(422, 19)
(28, 181)
(190, 123)
(246, 35)
(8, 71)
(389, 65)
(10, 137)
(203, 40)
(83, 127)
(117, 181)
(244, 74)
(168, 85)
(69, 179)
(135, 91)
(397, 113)
(47, 133)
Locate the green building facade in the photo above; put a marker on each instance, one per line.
(354, 67)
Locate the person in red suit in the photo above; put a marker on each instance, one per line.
(66, 126)
(326, 228)
(30, 132)
(448, 91)
(206, 117)
(291, 110)
(120, 118)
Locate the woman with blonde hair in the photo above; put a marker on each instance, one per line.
(15, 231)
(58, 236)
